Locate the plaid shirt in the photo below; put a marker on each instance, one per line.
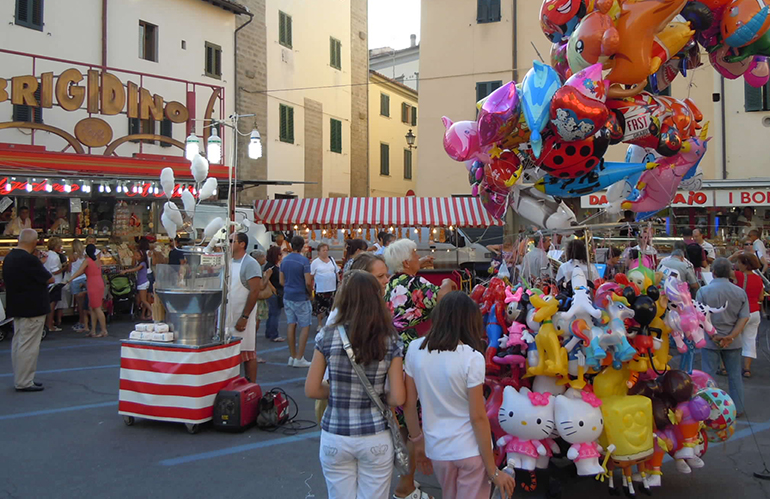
(351, 412)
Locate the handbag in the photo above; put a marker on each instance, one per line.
(400, 452)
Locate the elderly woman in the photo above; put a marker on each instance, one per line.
(411, 299)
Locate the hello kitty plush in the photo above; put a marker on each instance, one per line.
(579, 421)
(526, 418)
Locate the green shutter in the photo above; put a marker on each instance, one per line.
(289, 39)
(494, 14)
(384, 105)
(339, 54)
(291, 124)
(284, 29)
(286, 127)
(414, 116)
(752, 98)
(384, 159)
(404, 112)
(481, 90)
(335, 135)
(482, 11)
(407, 164)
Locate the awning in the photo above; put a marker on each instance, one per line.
(335, 213)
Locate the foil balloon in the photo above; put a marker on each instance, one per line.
(745, 21)
(759, 72)
(502, 172)
(558, 18)
(573, 159)
(699, 15)
(594, 41)
(760, 47)
(475, 176)
(590, 83)
(494, 200)
(461, 139)
(574, 116)
(542, 210)
(559, 60)
(538, 88)
(730, 70)
(499, 114)
(602, 177)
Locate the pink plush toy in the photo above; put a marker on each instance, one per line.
(526, 418)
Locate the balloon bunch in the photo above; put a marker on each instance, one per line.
(173, 218)
(587, 363)
(553, 129)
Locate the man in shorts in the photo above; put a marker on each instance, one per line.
(297, 284)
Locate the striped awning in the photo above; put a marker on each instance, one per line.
(337, 213)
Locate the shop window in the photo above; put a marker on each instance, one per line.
(384, 105)
(284, 29)
(408, 114)
(335, 52)
(137, 126)
(29, 13)
(384, 159)
(29, 113)
(407, 164)
(336, 135)
(488, 11)
(286, 118)
(213, 63)
(756, 99)
(148, 41)
(167, 130)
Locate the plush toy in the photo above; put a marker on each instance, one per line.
(579, 422)
(526, 418)
(552, 358)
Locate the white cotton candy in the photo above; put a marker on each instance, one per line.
(168, 224)
(199, 168)
(213, 227)
(167, 181)
(173, 213)
(188, 200)
(208, 189)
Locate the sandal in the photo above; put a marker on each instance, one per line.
(278, 339)
(260, 360)
(721, 371)
(416, 494)
(746, 373)
(101, 335)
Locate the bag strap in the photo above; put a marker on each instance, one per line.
(360, 371)
(745, 280)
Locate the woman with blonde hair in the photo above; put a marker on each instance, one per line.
(78, 286)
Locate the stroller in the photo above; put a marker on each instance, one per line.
(122, 290)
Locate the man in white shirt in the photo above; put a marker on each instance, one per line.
(19, 223)
(707, 246)
(759, 248)
(747, 220)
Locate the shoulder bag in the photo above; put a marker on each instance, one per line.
(401, 454)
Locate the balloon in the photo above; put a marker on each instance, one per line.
(168, 224)
(538, 88)
(722, 416)
(699, 16)
(504, 171)
(575, 116)
(542, 210)
(730, 70)
(760, 47)
(208, 189)
(702, 380)
(759, 72)
(559, 60)
(199, 168)
(188, 201)
(594, 41)
(172, 212)
(499, 114)
(461, 139)
(494, 200)
(475, 176)
(167, 181)
(637, 26)
(573, 159)
(558, 18)
(605, 175)
(745, 22)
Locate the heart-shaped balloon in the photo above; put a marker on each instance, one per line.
(575, 116)
(504, 171)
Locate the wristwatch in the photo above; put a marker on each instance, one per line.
(244, 316)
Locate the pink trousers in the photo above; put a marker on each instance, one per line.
(463, 478)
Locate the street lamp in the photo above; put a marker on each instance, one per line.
(214, 148)
(410, 139)
(192, 146)
(255, 145)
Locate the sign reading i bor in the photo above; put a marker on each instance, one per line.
(103, 94)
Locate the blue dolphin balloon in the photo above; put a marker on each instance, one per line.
(537, 90)
(601, 177)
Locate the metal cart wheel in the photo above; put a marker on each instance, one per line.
(192, 429)
(128, 420)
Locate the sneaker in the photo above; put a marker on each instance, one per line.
(301, 363)
(291, 362)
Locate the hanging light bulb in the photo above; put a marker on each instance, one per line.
(108, 188)
(101, 187)
(48, 187)
(255, 145)
(119, 188)
(7, 186)
(214, 148)
(192, 146)
(155, 190)
(29, 187)
(67, 186)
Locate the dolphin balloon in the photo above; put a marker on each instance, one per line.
(603, 176)
(538, 88)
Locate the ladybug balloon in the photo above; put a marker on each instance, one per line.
(573, 159)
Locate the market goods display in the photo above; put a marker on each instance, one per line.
(544, 138)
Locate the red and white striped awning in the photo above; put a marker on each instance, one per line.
(335, 213)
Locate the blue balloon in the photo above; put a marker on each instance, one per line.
(537, 91)
(601, 177)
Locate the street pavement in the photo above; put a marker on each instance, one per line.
(69, 441)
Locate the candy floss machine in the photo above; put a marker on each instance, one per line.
(192, 294)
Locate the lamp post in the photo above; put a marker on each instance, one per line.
(410, 139)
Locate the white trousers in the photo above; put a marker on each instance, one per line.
(749, 336)
(27, 335)
(357, 467)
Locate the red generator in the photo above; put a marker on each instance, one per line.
(236, 406)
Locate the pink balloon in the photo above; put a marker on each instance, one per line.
(730, 70)
(499, 114)
(590, 83)
(759, 72)
(461, 140)
(559, 60)
(495, 201)
(702, 380)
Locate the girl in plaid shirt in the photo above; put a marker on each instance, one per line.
(356, 452)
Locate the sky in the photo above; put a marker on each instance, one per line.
(392, 21)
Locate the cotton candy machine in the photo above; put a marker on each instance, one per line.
(191, 294)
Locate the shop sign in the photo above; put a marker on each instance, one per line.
(739, 197)
(9, 186)
(681, 199)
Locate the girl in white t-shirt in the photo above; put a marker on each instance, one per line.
(445, 370)
(325, 272)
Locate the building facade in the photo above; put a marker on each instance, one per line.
(401, 65)
(302, 69)
(392, 115)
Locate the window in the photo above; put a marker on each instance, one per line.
(484, 88)
(488, 11)
(148, 41)
(336, 135)
(335, 49)
(29, 13)
(756, 99)
(167, 130)
(137, 126)
(29, 113)
(213, 61)
(384, 105)
(407, 164)
(384, 159)
(284, 29)
(408, 114)
(286, 117)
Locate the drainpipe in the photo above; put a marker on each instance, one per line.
(515, 42)
(724, 127)
(235, 58)
(104, 35)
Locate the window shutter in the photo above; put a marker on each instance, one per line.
(338, 48)
(37, 111)
(282, 122)
(414, 116)
(332, 62)
(37, 13)
(493, 15)
(482, 11)
(404, 112)
(288, 31)
(384, 159)
(481, 91)
(752, 98)
(22, 11)
(134, 127)
(281, 27)
(494, 86)
(290, 124)
(407, 164)
(21, 113)
(166, 129)
(384, 105)
(218, 62)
